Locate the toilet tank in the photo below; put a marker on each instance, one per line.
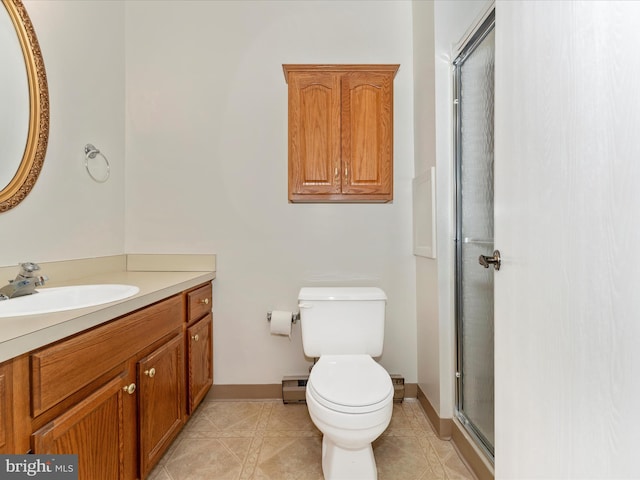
(342, 320)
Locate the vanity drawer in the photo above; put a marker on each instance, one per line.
(199, 302)
(65, 367)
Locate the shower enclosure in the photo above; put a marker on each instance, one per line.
(473, 145)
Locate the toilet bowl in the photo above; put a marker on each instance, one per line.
(350, 400)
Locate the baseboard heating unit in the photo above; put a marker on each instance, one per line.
(293, 388)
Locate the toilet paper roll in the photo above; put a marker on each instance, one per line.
(281, 323)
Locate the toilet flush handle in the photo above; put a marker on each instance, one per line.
(304, 305)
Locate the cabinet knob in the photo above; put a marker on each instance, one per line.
(150, 373)
(130, 388)
(195, 337)
(205, 301)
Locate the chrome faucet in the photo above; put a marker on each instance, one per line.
(25, 282)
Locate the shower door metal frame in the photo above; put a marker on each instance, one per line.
(481, 32)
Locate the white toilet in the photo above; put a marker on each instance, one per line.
(349, 395)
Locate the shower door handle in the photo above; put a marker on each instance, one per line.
(485, 260)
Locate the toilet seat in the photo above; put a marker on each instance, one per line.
(350, 384)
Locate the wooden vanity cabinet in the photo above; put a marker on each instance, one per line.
(117, 394)
(114, 394)
(199, 338)
(340, 132)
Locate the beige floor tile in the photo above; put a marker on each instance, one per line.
(399, 457)
(295, 458)
(430, 453)
(455, 469)
(206, 458)
(444, 449)
(268, 440)
(233, 415)
(401, 422)
(432, 473)
(290, 417)
(422, 424)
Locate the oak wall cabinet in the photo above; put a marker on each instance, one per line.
(340, 132)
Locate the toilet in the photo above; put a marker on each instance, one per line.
(349, 395)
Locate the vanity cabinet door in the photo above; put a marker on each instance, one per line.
(15, 423)
(6, 412)
(99, 430)
(200, 352)
(160, 400)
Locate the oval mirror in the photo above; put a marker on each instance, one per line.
(24, 105)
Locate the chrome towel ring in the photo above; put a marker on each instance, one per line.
(100, 172)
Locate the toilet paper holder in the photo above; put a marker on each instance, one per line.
(294, 317)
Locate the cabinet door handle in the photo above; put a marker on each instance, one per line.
(205, 301)
(150, 373)
(195, 337)
(130, 388)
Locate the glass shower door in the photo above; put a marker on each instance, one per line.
(474, 99)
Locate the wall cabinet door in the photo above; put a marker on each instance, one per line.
(340, 132)
(200, 352)
(314, 134)
(160, 400)
(367, 134)
(98, 429)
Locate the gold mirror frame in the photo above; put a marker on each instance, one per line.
(38, 135)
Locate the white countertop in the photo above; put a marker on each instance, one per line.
(19, 335)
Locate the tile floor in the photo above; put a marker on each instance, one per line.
(268, 440)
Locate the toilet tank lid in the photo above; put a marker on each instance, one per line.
(341, 293)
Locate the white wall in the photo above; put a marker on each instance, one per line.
(206, 159)
(207, 167)
(436, 329)
(567, 199)
(67, 215)
(424, 139)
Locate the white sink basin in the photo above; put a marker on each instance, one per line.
(57, 299)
